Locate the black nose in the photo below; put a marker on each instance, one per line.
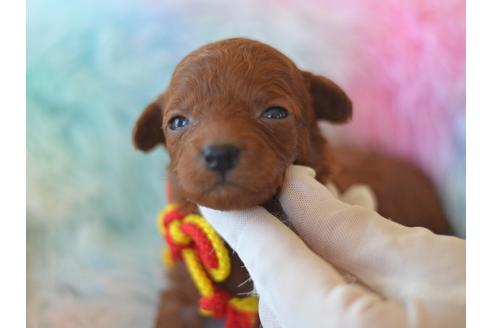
(220, 158)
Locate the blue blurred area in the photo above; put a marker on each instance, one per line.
(92, 197)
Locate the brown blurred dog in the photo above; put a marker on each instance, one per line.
(236, 114)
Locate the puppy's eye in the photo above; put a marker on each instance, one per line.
(275, 113)
(177, 122)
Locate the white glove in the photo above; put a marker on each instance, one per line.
(407, 277)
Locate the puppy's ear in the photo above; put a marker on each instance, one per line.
(329, 101)
(147, 132)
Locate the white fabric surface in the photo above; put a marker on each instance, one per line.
(414, 277)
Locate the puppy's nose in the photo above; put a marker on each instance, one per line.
(220, 158)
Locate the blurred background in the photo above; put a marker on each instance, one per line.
(93, 251)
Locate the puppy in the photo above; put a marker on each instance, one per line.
(236, 114)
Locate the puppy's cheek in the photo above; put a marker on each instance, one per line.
(260, 172)
(270, 161)
(191, 176)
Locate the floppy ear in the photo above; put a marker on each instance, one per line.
(329, 101)
(147, 132)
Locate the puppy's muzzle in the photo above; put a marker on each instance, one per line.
(220, 158)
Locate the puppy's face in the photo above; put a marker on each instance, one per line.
(237, 113)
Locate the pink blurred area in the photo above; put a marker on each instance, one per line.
(409, 87)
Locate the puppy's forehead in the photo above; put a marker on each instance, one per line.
(240, 68)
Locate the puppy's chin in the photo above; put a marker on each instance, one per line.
(232, 196)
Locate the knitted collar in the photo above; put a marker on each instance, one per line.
(191, 239)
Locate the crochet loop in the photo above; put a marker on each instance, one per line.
(191, 239)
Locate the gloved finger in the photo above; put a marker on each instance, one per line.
(284, 270)
(267, 318)
(346, 306)
(388, 257)
(358, 194)
(361, 195)
(288, 275)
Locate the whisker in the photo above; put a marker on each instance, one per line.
(244, 282)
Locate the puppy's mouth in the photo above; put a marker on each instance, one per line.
(226, 184)
(229, 194)
(222, 183)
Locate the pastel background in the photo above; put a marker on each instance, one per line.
(93, 251)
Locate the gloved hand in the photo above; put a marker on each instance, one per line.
(407, 277)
